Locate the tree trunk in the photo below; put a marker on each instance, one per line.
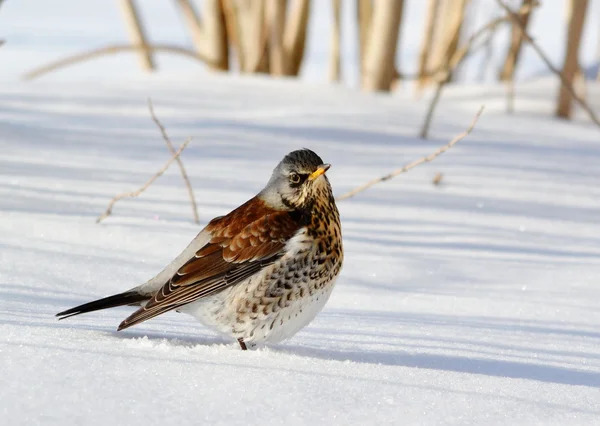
(380, 54)
(576, 19)
(516, 41)
(137, 33)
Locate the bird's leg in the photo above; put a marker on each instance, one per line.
(242, 344)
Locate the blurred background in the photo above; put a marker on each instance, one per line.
(373, 45)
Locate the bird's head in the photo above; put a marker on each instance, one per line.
(297, 181)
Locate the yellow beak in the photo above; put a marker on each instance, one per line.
(320, 171)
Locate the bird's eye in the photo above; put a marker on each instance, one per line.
(294, 178)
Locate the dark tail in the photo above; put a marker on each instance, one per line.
(121, 299)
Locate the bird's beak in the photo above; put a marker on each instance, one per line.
(320, 171)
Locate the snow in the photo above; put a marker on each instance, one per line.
(471, 302)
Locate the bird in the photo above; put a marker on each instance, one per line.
(258, 274)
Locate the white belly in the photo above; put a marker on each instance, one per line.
(218, 313)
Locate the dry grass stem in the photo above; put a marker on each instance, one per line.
(137, 33)
(515, 18)
(415, 163)
(111, 50)
(184, 175)
(137, 192)
(429, 116)
(460, 55)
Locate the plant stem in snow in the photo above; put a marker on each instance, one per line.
(415, 163)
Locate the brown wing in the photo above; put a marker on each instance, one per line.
(243, 242)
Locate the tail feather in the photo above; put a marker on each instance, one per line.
(142, 315)
(121, 299)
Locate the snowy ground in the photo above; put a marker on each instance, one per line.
(475, 302)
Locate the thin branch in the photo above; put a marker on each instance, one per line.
(415, 163)
(443, 80)
(439, 72)
(460, 55)
(565, 83)
(111, 50)
(432, 105)
(137, 192)
(184, 175)
(490, 26)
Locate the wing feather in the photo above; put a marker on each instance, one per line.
(242, 243)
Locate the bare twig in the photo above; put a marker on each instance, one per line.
(415, 163)
(490, 26)
(184, 175)
(441, 83)
(111, 50)
(569, 87)
(432, 104)
(460, 55)
(137, 192)
(440, 72)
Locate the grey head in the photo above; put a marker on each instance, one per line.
(296, 181)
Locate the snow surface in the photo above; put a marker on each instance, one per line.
(472, 302)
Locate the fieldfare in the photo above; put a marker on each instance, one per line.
(259, 274)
